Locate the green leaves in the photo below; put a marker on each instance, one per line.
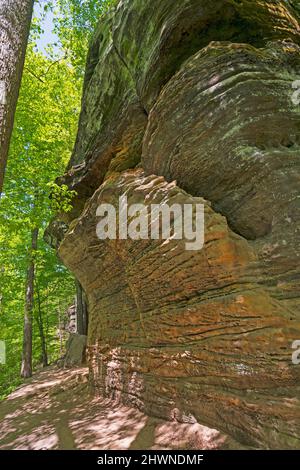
(75, 20)
(43, 137)
(61, 197)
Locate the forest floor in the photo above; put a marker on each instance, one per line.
(55, 410)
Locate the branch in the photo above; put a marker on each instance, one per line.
(34, 75)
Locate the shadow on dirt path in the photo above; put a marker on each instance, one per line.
(56, 410)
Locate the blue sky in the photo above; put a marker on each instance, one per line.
(48, 37)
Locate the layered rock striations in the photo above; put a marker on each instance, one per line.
(191, 102)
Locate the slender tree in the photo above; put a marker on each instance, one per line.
(26, 368)
(15, 19)
(40, 322)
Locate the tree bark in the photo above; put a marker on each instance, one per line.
(44, 355)
(60, 330)
(81, 311)
(26, 369)
(15, 19)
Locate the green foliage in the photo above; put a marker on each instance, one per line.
(61, 197)
(75, 21)
(43, 138)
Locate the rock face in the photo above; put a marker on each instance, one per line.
(229, 99)
(128, 65)
(191, 102)
(75, 350)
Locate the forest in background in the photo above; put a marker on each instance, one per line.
(44, 132)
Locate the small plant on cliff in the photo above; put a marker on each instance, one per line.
(61, 197)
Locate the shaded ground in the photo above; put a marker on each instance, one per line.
(55, 410)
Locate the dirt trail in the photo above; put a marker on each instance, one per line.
(55, 410)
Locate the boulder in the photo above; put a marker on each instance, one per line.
(75, 350)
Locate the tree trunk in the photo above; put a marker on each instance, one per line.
(26, 369)
(40, 322)
(60, 331)
(81, 311)
(15, 19)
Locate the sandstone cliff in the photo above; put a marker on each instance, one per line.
(186, 101)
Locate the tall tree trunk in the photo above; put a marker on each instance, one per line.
(15, 19)
(26, 369)
(60, 330)
(41, 329)
(81, 311)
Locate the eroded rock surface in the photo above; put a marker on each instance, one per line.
(239, 131)
(239, 145)
(184, 334)
(201, 93)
